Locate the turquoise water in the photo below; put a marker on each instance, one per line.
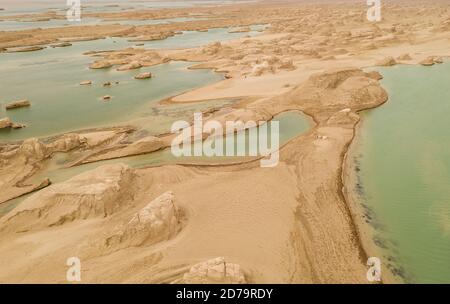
(291, 124)
(189, 39)
(16, 7)
(403, 155)
(12, 25)
(50, 80)
(60, 104)
(35, 6)
(10, 205)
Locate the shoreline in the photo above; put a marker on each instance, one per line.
(363, 229)
(366, 231)
(326, 177)
(299, 222)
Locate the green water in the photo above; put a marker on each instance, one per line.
(60, 104)
(404, 157)
(50, 80)
(13, 25)
(13, 7)
(189, 39)
(291, 124)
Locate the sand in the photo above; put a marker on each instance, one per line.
(294, 223)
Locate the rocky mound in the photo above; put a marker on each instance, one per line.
(102, 64)
(67, 142)
(32, 150)
(336, 90)
(215, 271)
(6, 123)
(431, 60)
(96, 193)
(243, 29)
(405, 56)
(144, 75)
(388, 61)
(17, 104)
(158, 221)
(127, 59)
(145, 145)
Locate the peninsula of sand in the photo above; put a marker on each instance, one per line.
(189, 222)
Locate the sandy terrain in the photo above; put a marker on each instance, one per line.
(289, 224)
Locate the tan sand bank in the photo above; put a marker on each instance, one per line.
(288, 224)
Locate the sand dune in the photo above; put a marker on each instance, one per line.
(220, 223)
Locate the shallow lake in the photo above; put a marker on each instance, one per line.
(403, 154)
(291, 124)
(13, 25)
(50, 80)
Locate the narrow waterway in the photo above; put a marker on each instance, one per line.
(17, 25)
(402, 172)
(291, 124)
(13, 7)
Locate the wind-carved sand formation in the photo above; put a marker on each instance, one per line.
(220, 223)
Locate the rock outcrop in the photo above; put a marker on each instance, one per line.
(62, 44)
(212, 48)
(261, 68)
(96, 193)
(158, 221)
(100, 65)
(335, 90)
(438, 60)
(153, 36)
(215, 271)
(67, 142)
(431, 60)
(145, 75)
(5, 123)
(145, 145)
(18, 125)
(375, 75)
(287, 64)
(244, 29)
(403, 57)
(131, 66)
(25, 49)
(18, 104)
(427, 61)
(388, 61)
(32, 150)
